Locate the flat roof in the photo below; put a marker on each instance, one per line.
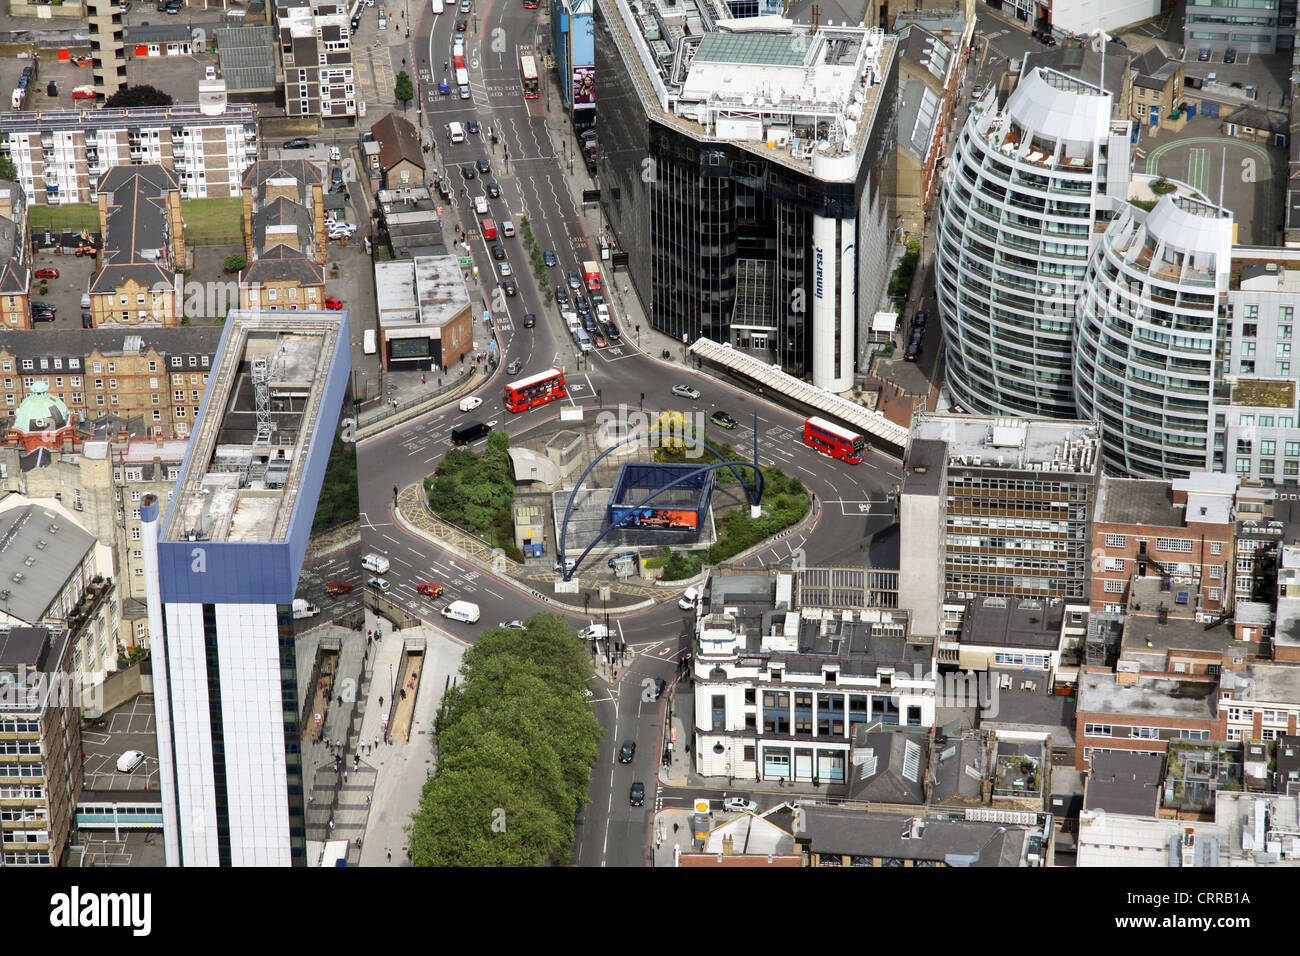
(1102, 694)
(1138, 501)
(1013, 622)
(1125, 783)
(40, 550)
(426, 290)
(1265, 683)
(849, 832)
(246, 464)
(1037, 444)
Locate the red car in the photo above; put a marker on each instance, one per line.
(333, 303)
(335, 588)
(429, 589)
(84, 93)
(46, 273)
(85, 250)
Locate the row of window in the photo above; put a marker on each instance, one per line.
(1162, 544)
(1141, 733)
(19, 726)
(74, 363)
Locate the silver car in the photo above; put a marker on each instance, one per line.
(685, 391)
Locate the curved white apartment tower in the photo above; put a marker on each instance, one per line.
(1017, 219)
(1145, 361)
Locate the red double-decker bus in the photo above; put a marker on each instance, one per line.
(538, 389)
(831, 439)
(528, 72)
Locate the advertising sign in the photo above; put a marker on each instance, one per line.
(584, 85)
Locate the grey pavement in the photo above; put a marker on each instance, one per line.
(401, 768)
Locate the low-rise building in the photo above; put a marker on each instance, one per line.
(1015, 635)
(282, 278)
(1258, 701)
(929, 76)
(401, 161)
(781, 690)
(1157, 87)
(1124, 783)
(295, 180)
(426, 321)
(410, 218)
(315, 57)
(40, 745)
(1115, 713)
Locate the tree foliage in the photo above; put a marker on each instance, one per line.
(339, 502)
(7, 169)
(404, 89)
(475, 491)
(234, 262)
(516, 743)
(131, 96)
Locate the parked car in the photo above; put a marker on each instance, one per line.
(739, 805)
(530, 320)
(51, 88)
(483, 166)
(636, 795)
(85, 93)
(1229, 55)
(913, 351)
(298, 142)
(1204, 55)
(130, 760)
(624, 556)
(626, 752)
(685, 391)
(38, 306)
(514, 367)
(87, 320)
(46, 273)
(335, 588)
(333, 304)
(429, 589)
(85, 250)
(722, 419)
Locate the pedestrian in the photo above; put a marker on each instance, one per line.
(390, 855)
(340, 700)
(674, 828)
(331, 825)
(367, 799)
(339, 744)
(381, 701)
(369, 633)
(345, 776)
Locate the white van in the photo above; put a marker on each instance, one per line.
(456, 132)
(594, 632)
(602, 313)
(368, 341)
(688, 600)
(462, 611)
(375, 562)
(462, 76)
(85, 301)
(481, 205)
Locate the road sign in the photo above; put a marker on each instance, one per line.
(466, 261)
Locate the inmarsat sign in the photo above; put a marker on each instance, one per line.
(818, 288)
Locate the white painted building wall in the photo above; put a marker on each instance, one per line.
(1084, 16)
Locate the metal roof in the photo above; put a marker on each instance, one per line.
(753, 49)
(850, 413)
(40, 550)
(247, 58)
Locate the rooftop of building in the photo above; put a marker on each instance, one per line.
(283, 263)
(749, 835)
(948, 23)
(40, 551)
(923, 472)
(842, 831)
(926, 50)
(427, 290)
(1156, 697)
(1125, 783)
(137, 228)
(787, 92)
(959, 772)
(889, 766)
(137, 451)
(1137, 501)
(1287, 756)
(1026, 702)
(24, 650)
(1020, 444)
(243, 56)
(145, 117)
(280, 171)
(183, 341)
(40, 411)
(1014, 622)
(1085, 64)
(245, 467)
(1262, 683)
(1154, 69)
(398, 140)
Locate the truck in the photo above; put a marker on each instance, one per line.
(303, 609)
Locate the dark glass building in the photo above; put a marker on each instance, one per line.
(748, 179)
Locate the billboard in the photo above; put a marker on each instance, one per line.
(665, 519)
(584, 85)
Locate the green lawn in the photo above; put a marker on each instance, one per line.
(208, 222)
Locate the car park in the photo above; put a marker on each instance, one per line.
(636, 795)
(335, 588)
(334, 304)
(530, 320)
(429, 589)
(467, 171)
(514, 367)
(46, 273)
(722, 419)
(627, 751)
(510, 288)
(483, 166)
(471, 126)
(494, 190)
(548, 256)
(130, 760)
(685, 391)
(739, 805)
(298, 142)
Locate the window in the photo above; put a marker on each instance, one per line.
(1243, 466)
(1115, 540)
(1216, 573)
(1097, 730)
(1146, 733)
(1114, 564)
(1216, 547)
(1291, 448)
(1194, 735)
(1174, 544)
(1268, 448)
(1282, 368)
(1114, 587)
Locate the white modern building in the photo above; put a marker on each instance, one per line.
(1145, 358)
(1026, 185)
(60, 155)
(222, 568)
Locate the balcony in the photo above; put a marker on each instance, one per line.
(99, 591)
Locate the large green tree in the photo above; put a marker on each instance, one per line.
(404, 89)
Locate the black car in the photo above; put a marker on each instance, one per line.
(612, 329)
(580, 301)
(561, 296)
(509, 286)
(467, 171)
(483, 167)
(1203, 55)
(722, 420)
(444, 190)
(298, 142)
(39, 306)
(461, 25)
(498, 252)
(87, 320)
(636, 796)
(162, 6)
(913, 347)
(514, 367)
(51, 88)
(597, 297)
(626, 751)
(43, 316)
(530, 320)
(494, 190)
(660, 685)
(356, 23)
(174, 7)
(918, 320)
(1230, 55)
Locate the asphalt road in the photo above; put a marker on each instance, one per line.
(853, 499)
